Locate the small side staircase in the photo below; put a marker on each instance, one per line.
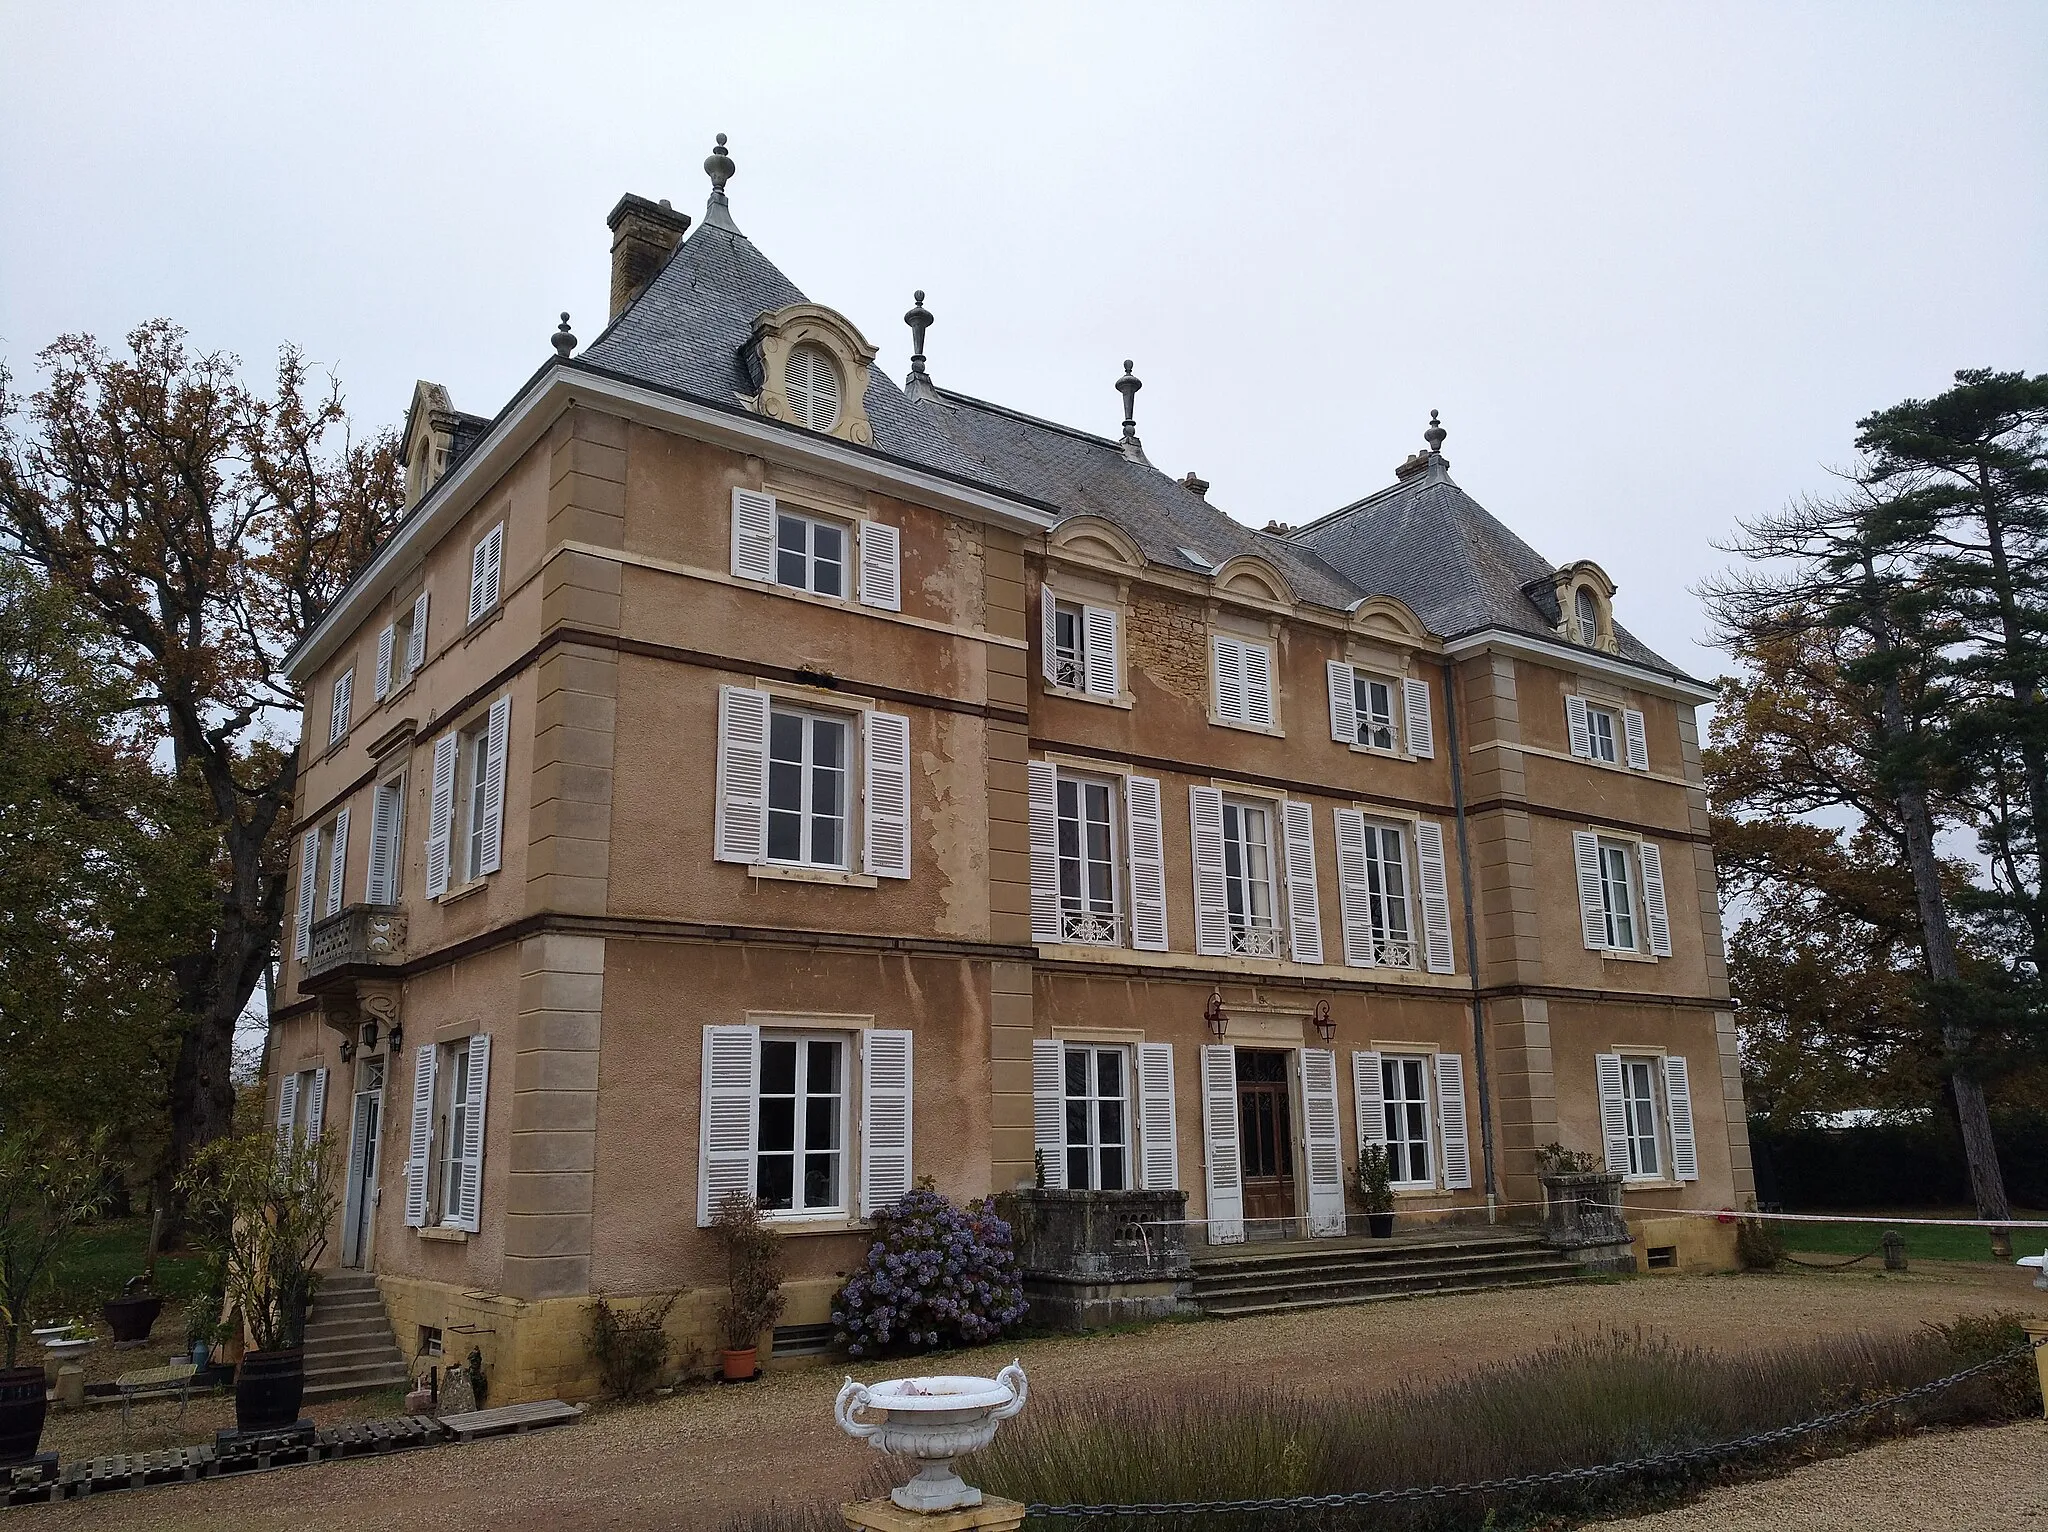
(1260, 1278)
(349, 1346)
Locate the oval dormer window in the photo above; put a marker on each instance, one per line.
(1589, 619)
(811, 384)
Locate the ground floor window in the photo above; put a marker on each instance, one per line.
(1096, 1087)
(1404, 1086)
(451, 1130)
(800, 1137)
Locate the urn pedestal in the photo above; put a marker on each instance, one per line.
(934, 1420)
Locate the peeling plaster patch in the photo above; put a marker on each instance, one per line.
(1169, 642)
(956, 586)
(960, 856)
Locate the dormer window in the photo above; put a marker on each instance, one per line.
(811, 383)
(1587, 614)
(812, 366)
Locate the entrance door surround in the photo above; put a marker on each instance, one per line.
(359, 1204)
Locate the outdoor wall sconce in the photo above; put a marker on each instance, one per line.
(1326, 1024)
(348, 1049)
(1212, 1013)
(369, 1035)
(397, 1036)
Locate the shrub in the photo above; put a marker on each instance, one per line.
(1758, 1244)
(753, 1271)
(1374, 1191)
(936, 1275)
(2010, 1391)
(1554, 1159)
(630, 1346)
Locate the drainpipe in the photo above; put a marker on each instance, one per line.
(1471, 946)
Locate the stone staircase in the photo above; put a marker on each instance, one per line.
(349, 1346)
(1268, 1278)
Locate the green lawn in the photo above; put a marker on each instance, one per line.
(1922, 1243)
(99, 1262)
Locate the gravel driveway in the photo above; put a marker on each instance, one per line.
(687, 1461)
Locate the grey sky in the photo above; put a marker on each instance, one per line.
(1651, 262)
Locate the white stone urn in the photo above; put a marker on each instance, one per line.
(933, 1420)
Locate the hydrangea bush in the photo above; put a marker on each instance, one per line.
(936, 1275)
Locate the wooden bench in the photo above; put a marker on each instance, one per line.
(470, 1425)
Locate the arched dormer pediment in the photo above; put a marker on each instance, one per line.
(1385, 617)
(812, 365)
(1093, 539)
(1585, 606)
(1254, 578)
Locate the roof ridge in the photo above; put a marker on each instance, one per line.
(955, 396)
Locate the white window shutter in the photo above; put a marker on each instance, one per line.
(1159, 1169)
(386, 803)
(309, 881)
(1636, 738)
(484, 562)
(1354, 910)
(731, 1090)
(337, 715)
(1041, 779)
(1048, 634)
(1223, 1171)
(885, 832)
(1421, 727)
(1228, 662)
(1369, 1099)
(316, 1105)
(386, 641)
(416, 641)
(1436, 895)
(1343, 703)
(287, 1110)
(1655, 915)
(1685, 1158)
(1098, 627)
(881, 566)
(494, 788)
(1592, 911)
(1212, 918)
(441, 814)
(1322, 1141)
(742, 829)
(753, 534)
(422, 1142)
(1613, 1112)
(1304, 910)
(1145, 841)
(337, 862)
(885, 1083)
(1450, 1118)
(469, 1195)
(1258, 685)
(1048, 1111)
(1576, 725)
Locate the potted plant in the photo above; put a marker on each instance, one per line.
(753, 1282)
(46, 1192)
(1376, 1190)
(133, 1315)
(263, 1209)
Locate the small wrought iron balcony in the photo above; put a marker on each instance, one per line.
(1092, 928)
(1255, 941)
(357, 936)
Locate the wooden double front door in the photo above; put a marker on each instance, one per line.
(1265, 1133)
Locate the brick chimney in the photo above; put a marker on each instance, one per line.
(644, 235)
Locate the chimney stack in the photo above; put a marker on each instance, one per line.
(644, 235)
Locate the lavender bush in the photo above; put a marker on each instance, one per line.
(936, 1275)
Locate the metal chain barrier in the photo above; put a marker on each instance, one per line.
(1855, 1260)
(1692, 1457)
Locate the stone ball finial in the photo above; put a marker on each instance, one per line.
(719, 166)
(1435, 434)
(564, 340)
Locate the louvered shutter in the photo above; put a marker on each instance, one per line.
(1636, 738)
(441, 815)
(1145, 840)
(1421, 727)
(416, 641)
(1655, 915)
(1048, 1111)
(1321, 1141)
(753, 534)
(1229, 663)
(337, 716)
(1436, 895)
(1576, 725)
(725, 1137)
(1048, 635)
(494, 789)
(1613, 1112)
(1343, 703)
(1685, 1159)
(742, 831)
(316, 1105)
(469, 1195)
(1041, 779)
(337, 862)
(1258, 685)
(1369, 1099)
(287, 1112)
(885, 838)
(484, 565)
(386, 642)
(881, 566)
(1354, 892)
(385, 805)
(1592, 911)
(1304, 910)
(1212, 917)
(1159, 1168)
(1450, 1117)
(1098, 626)
(884, 1119)
(422, 1141)
(1223, 1171)
(309, 882)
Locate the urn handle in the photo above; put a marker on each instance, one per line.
(852, 1397)
(1011, 1377)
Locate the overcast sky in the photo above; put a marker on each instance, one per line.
(1650, 261)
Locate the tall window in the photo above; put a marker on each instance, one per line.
(811, 384)
(810, 554)
(800, 1164)
(807, 789)
(1374, 698)
(1087, 853)
(1588, 614)
(1600, 731)
(1639, 1097)
(1617, 900)
(1098, 1130)
(1248, 878)
(1404, 1084)
(451, 1127)
(476, 754)
(1386, 889)
(387, 842)
(1069, 646)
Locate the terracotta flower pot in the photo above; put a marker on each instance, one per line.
(23, 1402)
(737, 1366)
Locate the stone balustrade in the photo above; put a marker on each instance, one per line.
(1092, 1258)
(357, 936)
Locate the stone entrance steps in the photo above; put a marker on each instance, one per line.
(349, 1345)
(1310, 1274)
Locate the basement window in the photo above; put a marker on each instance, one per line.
(1661, 1257)
(430, 1341)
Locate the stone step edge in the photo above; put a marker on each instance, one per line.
(1252, 1310)
(1417, 1282)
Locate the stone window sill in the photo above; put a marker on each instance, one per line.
(463, 890)
(775, 872)
(1652, 1184)
(443, 1234)
(1275, 732)
(833, 1223)
(1121, 699)
(1617, 955)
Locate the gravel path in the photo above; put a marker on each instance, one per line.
(690, 1460)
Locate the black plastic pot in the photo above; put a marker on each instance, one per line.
(132, 1318)
(1381, 1225)
(23, 1402)
(268, 1389)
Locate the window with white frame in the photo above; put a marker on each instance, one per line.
(1386, 901)
(402, 648)
(800, 1132)
(788, 790)
(1586, 613)
(387, 841)
(301, 1108)
(1089, 909)
(1610, 736)
(466, 810)
(340, 704)
(1080, 646)
(445, 1161)
(1621, 893)
(1243, 672)
(1600, 732)
(808, 756)
(1405, 1110)
(810, 382)
(451, 1131)
(486, 565)
(810, 553)
(1250, 900)
(1373, 698)
(1639, 1108)
(1617, 896)
(1069, 647)
(1096, 1096)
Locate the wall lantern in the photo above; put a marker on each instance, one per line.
(348, 1049)
(1212, 1013)
(397, 1037)
(369, 1035)
(1326, 1024)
